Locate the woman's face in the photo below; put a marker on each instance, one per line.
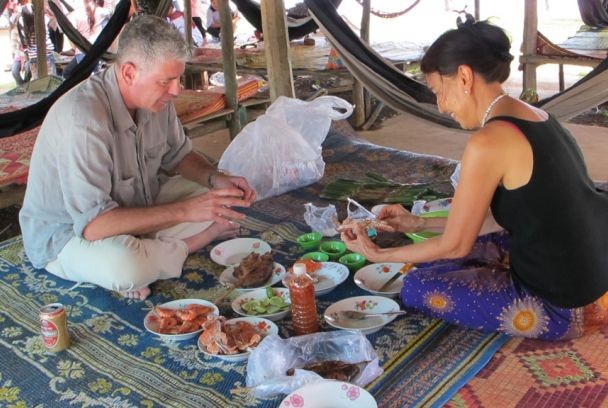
(453, 99)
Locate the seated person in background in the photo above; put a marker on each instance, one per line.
(98, 207)
(213, 18)
(89, 19)
(24, 16)
(176, 18)
(546, 277)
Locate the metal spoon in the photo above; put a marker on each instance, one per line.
(356, 315)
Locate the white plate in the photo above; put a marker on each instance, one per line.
(441, 204)
(327, 278)
(329, 394)
(231, 252)
(258, 295)
(151, 319)
(227, 278)
(369, 304)
(371, 278)
(264, 326)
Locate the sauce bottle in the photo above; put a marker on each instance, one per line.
(303, 304)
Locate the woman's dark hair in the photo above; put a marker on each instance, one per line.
(482, 46)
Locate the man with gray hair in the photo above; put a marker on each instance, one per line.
(99, 205)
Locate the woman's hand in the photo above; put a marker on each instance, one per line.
(222, 180)
(356, 239)
(401, 219)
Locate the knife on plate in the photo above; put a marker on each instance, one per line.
(402, 271)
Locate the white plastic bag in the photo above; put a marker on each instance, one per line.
(281, 150)
(322, 219)
(270, 360)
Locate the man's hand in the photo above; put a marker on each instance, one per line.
(222, 180)
(215, 205)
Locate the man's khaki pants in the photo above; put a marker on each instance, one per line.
(126, 262)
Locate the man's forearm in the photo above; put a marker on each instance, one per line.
(196, 168)
(133, 221)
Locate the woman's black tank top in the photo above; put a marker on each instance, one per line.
(558, 221)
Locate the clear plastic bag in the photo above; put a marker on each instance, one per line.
(356, 212)
(281, 150)
(322, 219)
(270, 360)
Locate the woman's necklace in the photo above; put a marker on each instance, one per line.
(490, 107)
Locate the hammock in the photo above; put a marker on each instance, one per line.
(593, 12)
(31, 116)
(381, 78)
(405, 94)
(296, 29)
(387, 14)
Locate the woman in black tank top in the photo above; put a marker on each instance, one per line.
(523, 249)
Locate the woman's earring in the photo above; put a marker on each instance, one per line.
(466, 92)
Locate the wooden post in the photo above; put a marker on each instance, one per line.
(477, 14)
(40, 29)
(276, 45)
(228, 60)
(358, 90)
(529, 43)
(188, 21)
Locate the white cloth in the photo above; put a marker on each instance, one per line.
(126, 262)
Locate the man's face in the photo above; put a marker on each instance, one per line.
(153, 88)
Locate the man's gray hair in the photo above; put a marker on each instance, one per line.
(149, 39)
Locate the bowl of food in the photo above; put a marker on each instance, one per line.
(352, 261)
(232, 252)
(255, 271)
(372, 277)
(326, 275)
(269, 303)
(233, 339)
(316, 256)
(179, 319)
(433, 209)
(333, 249)
(310, 240)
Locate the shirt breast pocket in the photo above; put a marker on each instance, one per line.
(155, 153)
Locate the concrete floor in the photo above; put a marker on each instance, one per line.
(408, 132)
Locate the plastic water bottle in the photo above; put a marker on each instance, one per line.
(303, 304)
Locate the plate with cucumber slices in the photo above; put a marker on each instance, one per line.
(269, 303)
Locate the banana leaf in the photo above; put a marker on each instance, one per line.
(376, 189)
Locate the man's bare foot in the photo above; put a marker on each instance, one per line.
(215, 231)
(137, 294)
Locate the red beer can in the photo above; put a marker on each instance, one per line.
(54, 325)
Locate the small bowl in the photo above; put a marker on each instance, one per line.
(316, 256)
(310, 240)
(333, 249)
(352, 261)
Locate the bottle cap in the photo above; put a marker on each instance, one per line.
(299, 269)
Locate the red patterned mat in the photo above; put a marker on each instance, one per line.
(15, 153)
(533, 373)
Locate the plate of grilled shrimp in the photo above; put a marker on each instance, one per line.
(180, 319)
(233, 339)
